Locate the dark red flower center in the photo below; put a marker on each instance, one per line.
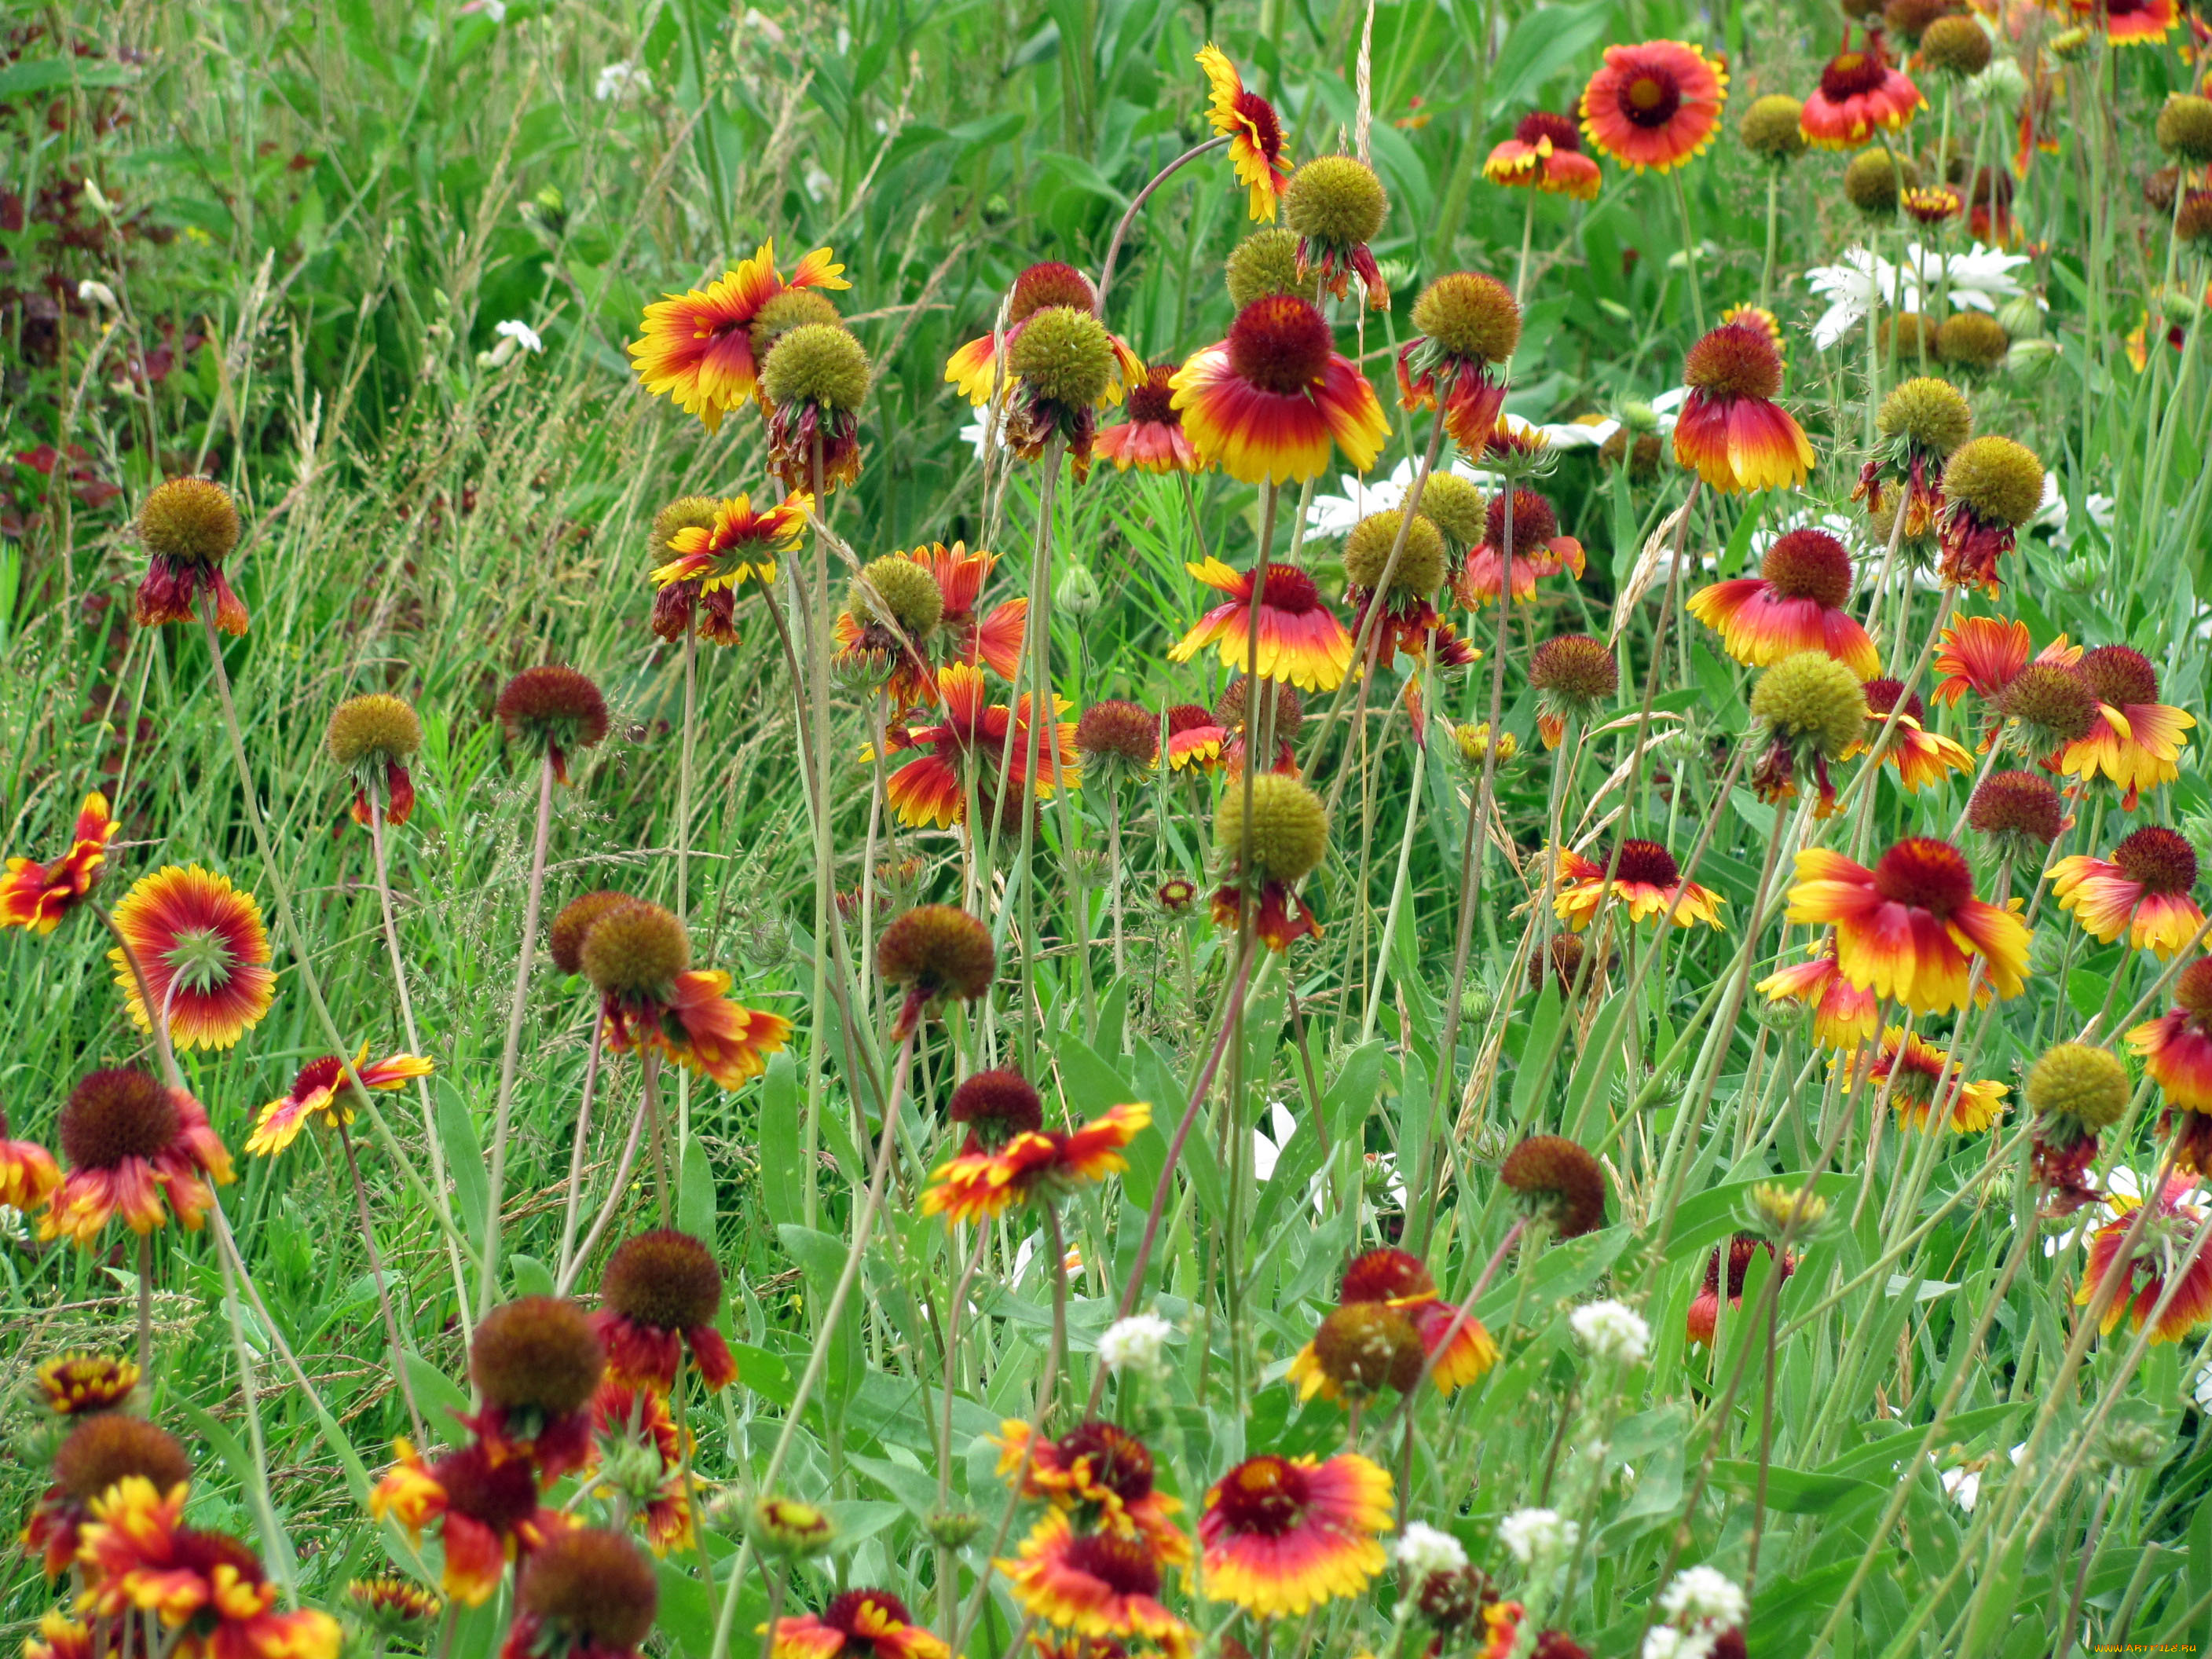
(1051, 283)
(1809, 564)
(1926, 874)
(500, 1495)
(1279, 343)
(2118, 675)
(1124, 1565)
(1152, 399)
(1264, 1495)
(1852, 74)
(1267, 130)
(996, 1106)
(1646, 863)
(1289, 589)
(1882, 697)
(666, 1279)
(1736, 360)
(113, 1114)
(2192, 991)
(1535, 523)
(1119, 1462)
(2017, 803)
(1385, 1275)
(1650, 96)
(317, 1075)
(1188, 716)
(843, 1614)
(2161, 860)
(1540, 124)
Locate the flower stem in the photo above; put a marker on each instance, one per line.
(383, 1285)
(572, 1201)
(502, 1111)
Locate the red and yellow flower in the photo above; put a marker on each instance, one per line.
(1102, 1475)
(1645, 878)
(2168, 1252)
(207, 1589)
(1037, 1165)
(1795, 603)
(1194, 738)
(741, 545)
(970, 744)
(1860, 94)
(698, 1026)
(1703, 1321)
(1730, 430)
(204, 954)
(1922, 758)
(1300, 639)
(29, 1174)
(315, 1094)
(484, 1509)
(1653, 105)
(1254, 133)
(1457, 1350)
(2137, 740)
(1844, 1016)
(1910, 1070)
(1151, 440)
(1911, 928)
(1266, 402)
(2132, 22)
(2141, 891)
(85, 1384)
(994, 641)
(699, 348)
(2177, 1047)
(860, 1624)
(659, 1297)
(131, 1143)
(977, 369)
(1539, 552)
(1102, 1584)
(1545, 153)
(36, 896)
(98, 1453)
(1282, 1534)
(1984, 654)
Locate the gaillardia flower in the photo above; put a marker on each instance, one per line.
(2019, 813)
(2177, 1047)
(1557, 1182)
(1035, 1165)
(1653, 105)
(318, 1094)
(1909, 1070)
(1860, 94)
(1573, 676)
(573, 925)
(83, 1384)
(1844, 1016)
(2160, 1261)
(373, 738)
(1195, 737)
(36, 896)
(1922, 758)
(860, 1624)
(1265, 402)
(1363, 1351)
(1795, 603)
(2141, 891)
(188, 526)
(555, 711)
(972, 745)
(736, 545)
(394, 1605)
(659, 1297)
(1811, 711)
(1994, 486)
(1281, 1535)
(1983, 655)
(638, 958)
(536, 1362)
(1703, 1321)
(206, 1590)
(683, 604)
(1645, 878)
(200, 944)
(2077, 1092)
(131, 1142)
(910, 651)
(1102, 1476)
(1465, 328)
(1408, 621)
(815, 382)
(2137, 740)
(1064, 366)
(635, 1443)
(1539, 551)
(1911, 928)
(2133, 23)
(1730, 430)
(1254, 135)
(1336, 205)
(1151, 440)
(1099, 1584)
(935, 952)
(1359, 1349)
(104, 1449)
(1300, 639)
(1545, 153)
(981, 374)
(485, 1509)
(1266, 853)
(704, 348)
(588, 1594)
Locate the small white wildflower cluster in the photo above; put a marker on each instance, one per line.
(515, 337)
(1700, 1607)
(622, 83)
(1138, 1343)
(1423, 1549)
(1538, 1538)
(1613, 1332)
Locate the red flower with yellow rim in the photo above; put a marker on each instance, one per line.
(1458, 1350)
(1922, 758)
(132, 1143)
(969, 744)
(1266, 402)
(1101, 1474)
(1539, 551)
(975, 368)
(1300, 641)
(1730, 430)
(1104, 1584)
(623, 1416)
(485, 1510)
(1703, 1322)
(1860, 94)
(1283, 1534)
(1194, 738)
(201, 945)
(206, 1588)
(741, 545)
(995, 641)
(2164, 1252)
(1911, 1070)
(698, 348)
(1255, 136)
(697, 1026)
(1545, 153)
(1911, 928)
(1044, 1164)
(315, 1094)
(1844, 1016)
(2137, 740)
(36, 896)
(1646, 879)
(2141, 891)
(1984, 654)
(2177, 1047)
(1151, 440)
(1795, 603)
(2132, 22)
(29, 1174)
(84, 1384)
(861, 1624)
(1653, 105)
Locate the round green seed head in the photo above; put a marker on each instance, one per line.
(1264, 263)
(374, 727)
(1290, 826)
(191, 518)
(636, 949)
(684, 513)
(1812, 699)
(2080, 1081)
(1972, 339)
(819, 363)
(1469, 315)
(2001, 481)
(1957, 44)
(1928, 413)
(1336, 201)
(1769, 127)
(2185, 127)
(896, 589)
(1873, 182)
(1455, 507)
(795, 308)
(1064, 355)
(1420, 565)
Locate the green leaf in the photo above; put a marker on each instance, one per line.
(531, 1277)
(782, 1172)
(464, 1158)
(695, 1196)
(1540, 44)
(440, 1397)
(43, 74)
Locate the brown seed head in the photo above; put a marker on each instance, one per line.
(106, 1449)
(1364, 1347)
(634, 949)
(111, 1115)
(596, 1587)
(565, 942)
(1560, 1181)
(537, 1354)
(664, 1278)
(939, 950)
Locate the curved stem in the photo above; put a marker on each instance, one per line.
(1136, 204)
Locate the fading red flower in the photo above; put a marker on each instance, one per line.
(1038, 1164)
(1911, 928)
(659, 1296)
(1795, 603)
(1730, 430)
(1545, 153)
(860, 1624)
(36, 896)
(1151, 440)
(484, 1509)
(1844, 1016)
(316, 1092)
(1860, 94)
(1539, 552)
(2137, 740)
(131, 1144)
